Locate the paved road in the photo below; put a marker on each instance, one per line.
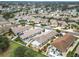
(74, 33)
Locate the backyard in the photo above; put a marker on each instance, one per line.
(10, 50)
(13, 46)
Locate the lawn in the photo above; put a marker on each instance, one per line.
(10, 50)
(13, 46)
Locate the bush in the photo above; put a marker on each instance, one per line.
(58, 30)
(8, 15)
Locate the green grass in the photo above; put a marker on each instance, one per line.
(13, 46)
(34, 53)
(72, 53)
(10, 50)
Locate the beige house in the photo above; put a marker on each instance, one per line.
(43, 38)
(19, 29)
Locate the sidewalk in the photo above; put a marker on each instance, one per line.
(14, 38)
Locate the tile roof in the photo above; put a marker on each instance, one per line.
(19, 29)
(41, 38)
(64, 43)
(30, 32)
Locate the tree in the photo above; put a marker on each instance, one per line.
(8, 15)
(22, 22)
(43, 17)
(67, 20)
(4, 43)
(32, 23)
(43, 25)
(76, 26)
(77, 9)
(58, 30)
(36, 11)
(0, 11)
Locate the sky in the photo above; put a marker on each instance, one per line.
(39, 0)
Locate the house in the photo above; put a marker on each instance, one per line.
(30, 33)
(19, 29)
(37, 20)
(3, 22)
(44, 21)
(64, 43)
(62, 24)
(54, 22)
(2, 19)
(43, 38)
(5, 27)
(53, 51)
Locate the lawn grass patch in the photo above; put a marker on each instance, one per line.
(10, 50)
(14, 46)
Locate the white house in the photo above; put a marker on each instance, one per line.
(53, 52)
(43, 38)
